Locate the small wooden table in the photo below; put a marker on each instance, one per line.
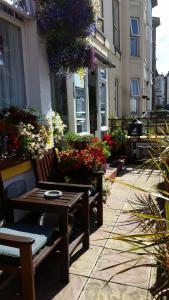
(34, 200)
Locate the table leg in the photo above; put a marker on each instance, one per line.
(63, 224)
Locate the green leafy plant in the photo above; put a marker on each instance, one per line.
(118, 135)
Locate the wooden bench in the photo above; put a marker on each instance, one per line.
(23, 247)
(46, 169)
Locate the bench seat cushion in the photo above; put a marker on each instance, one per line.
(41, 235)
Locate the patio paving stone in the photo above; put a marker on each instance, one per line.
(96, 289)
(99, 237)
(86, 262)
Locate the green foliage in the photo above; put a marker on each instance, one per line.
(118, 135)
(74, 137)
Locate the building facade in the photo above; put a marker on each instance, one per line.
(155, 24)
(118, 85)
(137, 56)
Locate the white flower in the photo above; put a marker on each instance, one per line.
(58, 126)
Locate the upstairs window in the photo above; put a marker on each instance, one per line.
(135, 88)
(116, 25)
(99, 11)
(134, 37)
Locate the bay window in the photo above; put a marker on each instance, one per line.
(12, 81)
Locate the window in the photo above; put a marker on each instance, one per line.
(135, 89)
(99, 11)
(81, 106)
(135, 94)
(134, 37)
(103, 96)
(116, 96)
(12, 82)
(59, 96)
(116, 26)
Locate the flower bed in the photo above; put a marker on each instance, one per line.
(88, 158)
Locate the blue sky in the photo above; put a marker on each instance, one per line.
(162, 11)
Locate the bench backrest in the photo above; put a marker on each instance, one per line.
(45, 168)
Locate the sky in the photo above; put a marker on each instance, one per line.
(162, 11)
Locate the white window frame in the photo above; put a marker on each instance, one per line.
(116, 25)
(21, 25)
(116, 96)
(100, 81)
(86, 103)
(133, 95)
(131, 27)
(135, 36)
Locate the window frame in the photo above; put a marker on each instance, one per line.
(135, 36)
(116, 24)
(103, 80)
(116, 96)
(132, 80)
(131, 28)
(21, 25)
(86, 98)
(134, 97)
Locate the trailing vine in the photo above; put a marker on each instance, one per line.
(66, 24)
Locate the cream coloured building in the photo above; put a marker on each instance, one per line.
(136, 21)
(117, 86)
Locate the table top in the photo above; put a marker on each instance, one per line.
(35, 197)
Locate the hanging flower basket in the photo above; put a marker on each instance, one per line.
(66, 24)
(66, 18)
(70, 58)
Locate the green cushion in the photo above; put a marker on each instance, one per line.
(41, 235)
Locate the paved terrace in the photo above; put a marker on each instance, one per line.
(87, 279)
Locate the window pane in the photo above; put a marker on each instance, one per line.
(103, 73)
(135, 90)
(103, 104)
(116, 96)
(134, 46)
(116, 26)
(80, 110)
(80, 96)
(12, 82)
(134, 27)
(59, 96)
(133, 106)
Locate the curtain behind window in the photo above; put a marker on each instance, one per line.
(12, 82)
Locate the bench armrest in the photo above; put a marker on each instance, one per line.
(66, 186)
(15, 240)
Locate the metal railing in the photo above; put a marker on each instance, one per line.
(153, 126)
